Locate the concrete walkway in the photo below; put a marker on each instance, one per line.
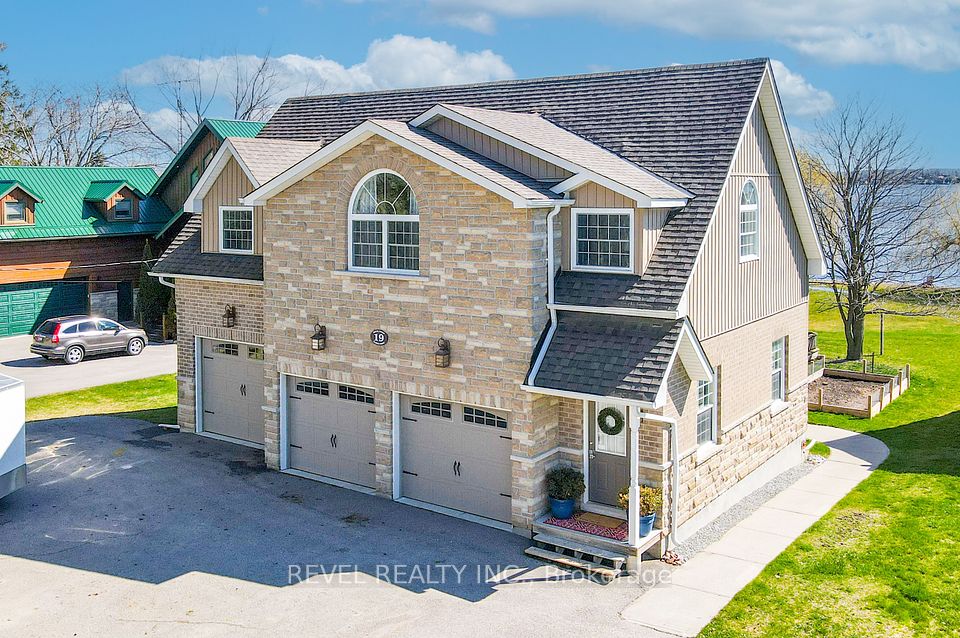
(697, 590)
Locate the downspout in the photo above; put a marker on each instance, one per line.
(165, 282)
(551, 273)
(669, 424)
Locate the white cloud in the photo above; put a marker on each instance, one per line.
(401, 61)
(799, 97)
(922, 34)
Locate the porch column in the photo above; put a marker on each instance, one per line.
(633, 512)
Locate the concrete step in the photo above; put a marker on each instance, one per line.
(606, 574)
(579, 549)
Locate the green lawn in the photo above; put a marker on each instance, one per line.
(153, 399)
(886, 560)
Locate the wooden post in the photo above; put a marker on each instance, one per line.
(820, 399)
(864, 365)
(869, 406)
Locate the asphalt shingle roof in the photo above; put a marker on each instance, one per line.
(268, 158)
(183, 257)
(681, 122)
(609, 355)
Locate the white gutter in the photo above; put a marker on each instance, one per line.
(553, 312)
(671, 424)
(162, 280)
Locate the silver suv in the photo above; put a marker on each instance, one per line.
(73, 338)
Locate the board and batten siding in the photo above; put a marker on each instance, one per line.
(647, 223)
(175, 192)
(498, 151)
(725, 293)
(227, 189)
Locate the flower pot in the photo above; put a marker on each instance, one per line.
(561, 508)
(646, 524)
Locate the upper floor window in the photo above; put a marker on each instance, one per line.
(384, 225)
(777, 371)
(705, 411)
(236, 229)
(602, 240)
(194, 177)
(123, 209)
(206, 161)
(14, 212)
(749, 222)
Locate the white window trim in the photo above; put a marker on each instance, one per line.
(741, 209)
(253, 230)
(23, 212)
(385, 230)
(575, 213)
(712, 406)
(781, 370)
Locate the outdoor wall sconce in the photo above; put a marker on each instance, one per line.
(442, 354)
(319, 339)
(229, 316)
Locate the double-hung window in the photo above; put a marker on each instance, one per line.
(777, 378)
(602, 239)
(749, 223)
(384, 225)
(14, 212)
(706, 432)
(236, 230)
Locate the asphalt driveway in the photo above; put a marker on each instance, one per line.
(49, 377)
(126, 528)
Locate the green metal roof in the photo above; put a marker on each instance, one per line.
(102, 190)
(65, 213)
(8, 185)
(221, 128)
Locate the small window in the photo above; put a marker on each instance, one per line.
(255, 352)
(433, 408)
(72, 330)
(107, 325)
(777, 370)
(236, 230)
(314, 387)
(194, 177)
(482, 417)
(230, 349)
(603, 240)
(123, 209)
(206, 161)
(384, 225)
(705, 411)
(88, 326)
(353, 394)
(749, 223)
(14, 212)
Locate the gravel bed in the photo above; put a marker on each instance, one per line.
(717, 528)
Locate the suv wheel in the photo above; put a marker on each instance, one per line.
(134, 347)
(73, 355)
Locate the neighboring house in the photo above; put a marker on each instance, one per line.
(71, 241)
(433, 294)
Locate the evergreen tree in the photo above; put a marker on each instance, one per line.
(152, 296)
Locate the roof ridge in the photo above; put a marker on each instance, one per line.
(548, 78)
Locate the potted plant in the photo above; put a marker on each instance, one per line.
(564, 486)
(649, 503)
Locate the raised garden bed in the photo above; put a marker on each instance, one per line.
(860, 394)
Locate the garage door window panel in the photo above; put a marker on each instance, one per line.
(482, 417)
(349, 393)
(314, 387)
(433, 408)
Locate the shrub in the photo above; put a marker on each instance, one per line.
(651, 499)
(565, 483)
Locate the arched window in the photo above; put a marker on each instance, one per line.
(384, 225)
(749, 223)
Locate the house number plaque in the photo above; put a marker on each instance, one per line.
(379, 337)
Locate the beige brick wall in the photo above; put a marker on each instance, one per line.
(200, 306)
(483, 287)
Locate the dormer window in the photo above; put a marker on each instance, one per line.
(384, 225)
(123, 209)
(15, 212)
(602, 240)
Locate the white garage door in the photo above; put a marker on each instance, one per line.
(232, 390)
(457, 456)
(330, 430)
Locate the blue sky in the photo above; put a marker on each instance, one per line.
(904, 56)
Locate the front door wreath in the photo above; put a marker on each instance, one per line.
(610, 421)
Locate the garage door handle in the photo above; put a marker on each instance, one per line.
(410, 473)
(243, 389)
(456, 468)
(299, 447)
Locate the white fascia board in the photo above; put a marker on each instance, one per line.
(694, 359)
(358, 135)
(641, 200)
(194, 201)
(584, 396)
(442, 111)
(623, 312)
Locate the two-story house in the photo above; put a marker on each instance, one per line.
(436, 295)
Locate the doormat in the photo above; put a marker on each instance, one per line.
(601, 519)
(582, 522)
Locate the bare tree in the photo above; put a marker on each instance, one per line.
(11, 134)
(875, 219)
